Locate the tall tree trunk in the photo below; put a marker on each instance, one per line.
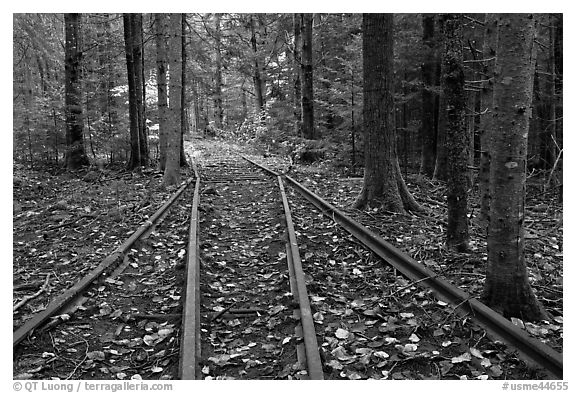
(457, 138)
(507, 288)
(183, 118)
(308, 127)
(297, 71)
(489, 54)
(218, 110)
(140, 83)
(558, 58)
(441, 156)
(161, 64)
(256, 76)
(75, 153)
(133, 78)
(428, 157)
(172, 171)
(383, 185)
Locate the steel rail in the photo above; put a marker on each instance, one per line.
(494, 323)
(190, 346)
(313, 361)
(70, 294)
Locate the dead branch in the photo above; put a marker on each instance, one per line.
(26, 285)
(26, 299)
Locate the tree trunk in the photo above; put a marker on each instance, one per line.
(297, 71)
(441, 157)
(172, 171)
(183, 119)
(133, 109)
(257, 78)
(489, 54)
(75, 153)
(308, 128)
(457, 138)
(161, 64)
(428, 157)
(507, 289)
(218, 111)
(139, 82)
(383, 185)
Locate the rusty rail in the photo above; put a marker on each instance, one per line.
(190, 347)
(115, 257)
(495, 324)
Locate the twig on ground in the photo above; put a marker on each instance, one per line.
(26, 299)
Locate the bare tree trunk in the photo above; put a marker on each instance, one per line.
(297, 71)
(75, 156)
(183, 119)
(161, 65)
(257, 78)
(308, 127)
(489, 54)
(172, 171)
(383, 185)
(507, 288)
(218, 111)
(133, 109)
(457, 138)
(140, 85)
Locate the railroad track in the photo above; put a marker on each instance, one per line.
(266, 280)
(255, 320)
(245, 311)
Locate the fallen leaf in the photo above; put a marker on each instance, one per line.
(414, 338)
(335, 364)
(476, 353)
(342, 334)
(465, 357)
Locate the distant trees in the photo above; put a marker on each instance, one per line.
(75, 155)
(428, 69)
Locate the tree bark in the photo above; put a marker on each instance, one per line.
(172, 171)
(383, 184)
(133, 109)
(441, 156)
(161, 66)
(457, 138)
(489, 54)
(297, 71)
(257, 78)
(428, 157)
(138, 35)
(183, 118)
(308, 127)
(507, 289)
(218, 111)
(75, 156)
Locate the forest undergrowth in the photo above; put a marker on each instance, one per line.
(371, 322)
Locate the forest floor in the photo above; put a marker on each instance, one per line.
(370, 321)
